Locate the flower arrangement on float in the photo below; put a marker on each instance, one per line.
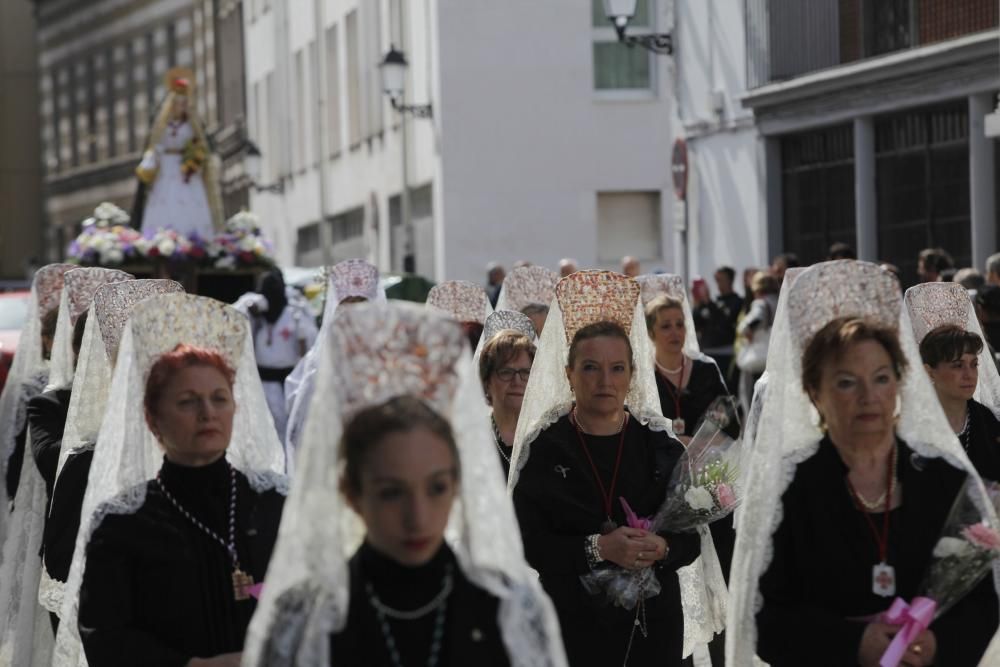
(108, 240)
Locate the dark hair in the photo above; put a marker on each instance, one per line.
(729, 271)
(936, 259)
(473, 332)
(765, 283)
(842, 251)
(182, 356)
(49, 321)
(657, 306)
(969, 278)
(948, 343)
(78, 328)
(988, 299)
(831, 341)
(535, 309)
(790, 258)
(499, 350)
(397, 415)
(598, 330)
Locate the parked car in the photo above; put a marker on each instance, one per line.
(13, 311)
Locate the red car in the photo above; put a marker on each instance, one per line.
(13, 312)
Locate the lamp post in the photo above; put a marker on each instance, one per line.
(252, 160)
(393, 71)
(620, 13)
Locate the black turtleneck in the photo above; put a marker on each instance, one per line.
(471, 634)
(157, 589)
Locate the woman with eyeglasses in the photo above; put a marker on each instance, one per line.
(504, 368)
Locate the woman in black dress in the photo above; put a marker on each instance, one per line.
(413, 597)
(183, 498)
(571, 476)
(861, 500)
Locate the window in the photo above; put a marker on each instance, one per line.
(347, 226)
(922, 185)
(353, 79)
(616, 66)
(817, 188)
(628, 223)
(373, 87)
(333, 89)
(888, 26)
(310, 151)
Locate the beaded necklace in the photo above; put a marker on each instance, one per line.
(241, 580)
(383, 612)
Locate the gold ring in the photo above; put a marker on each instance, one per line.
(918, 649)
(639, 558)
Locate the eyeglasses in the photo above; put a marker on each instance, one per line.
(507, 374)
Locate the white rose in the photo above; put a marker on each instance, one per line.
(950, 546)
(166, 247)
(113, 256)
(226, 262)
(247, 243)
(699, 498)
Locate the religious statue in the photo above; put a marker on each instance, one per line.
(178, 177)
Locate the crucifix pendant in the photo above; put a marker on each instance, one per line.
(608, 526)
(241, 583)
(884, 580)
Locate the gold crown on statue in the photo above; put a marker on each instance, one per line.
(934, 304)
(588, 297)
(48, 284)
(81, 285)
(462, 300)
(161, 323)
(113, 305)
(179, 80)
(381, 351)
(529, 284)
(656, 284)
(508, 320)
(841, 288)
(352, 278)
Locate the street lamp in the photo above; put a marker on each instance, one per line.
(393, 69)
(252, 159)
(620, 12)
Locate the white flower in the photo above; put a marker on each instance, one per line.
(110, 213)
(166, 247)
(247, 243)
(699, 498)
(226, 262)
(112, 256)
(244, 221)
(950, 546)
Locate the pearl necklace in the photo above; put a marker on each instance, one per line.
(383, 612)
(673, 371)
(499, 440)
(576, 420)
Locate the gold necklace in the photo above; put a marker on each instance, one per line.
(879, 503)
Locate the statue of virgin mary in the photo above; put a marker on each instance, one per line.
(179, 184)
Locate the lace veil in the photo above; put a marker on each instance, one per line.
(127, 455)
(350, 278)
(789, 426)
(24, 628)
(503, 320)
(376, 352)
(78, 293)
(931, 305)
(526, 285)
(462, 300)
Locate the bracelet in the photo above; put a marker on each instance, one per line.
(593, 550)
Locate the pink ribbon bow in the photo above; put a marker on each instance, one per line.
(915, 618)
(632, 519)
(255, 590)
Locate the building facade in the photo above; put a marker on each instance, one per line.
(21, 229)
(872, 118)
(101, 65)
(547, 138)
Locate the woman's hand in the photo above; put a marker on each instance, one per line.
(874, 642)
(922, 651)
(631, 548)
(225, 660)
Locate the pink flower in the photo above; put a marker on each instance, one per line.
(982, 536)
(725, 496)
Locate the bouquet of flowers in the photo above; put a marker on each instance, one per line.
(193, 157)
(962, 557)
(703, 488)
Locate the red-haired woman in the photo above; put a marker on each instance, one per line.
(170, 584)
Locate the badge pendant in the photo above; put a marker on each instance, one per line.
(678, 426)
(241, 585)
(884, 580)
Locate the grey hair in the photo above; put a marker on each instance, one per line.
(993, 263)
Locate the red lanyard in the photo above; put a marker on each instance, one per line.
(882, 540)
(606, 495)
(675, 392)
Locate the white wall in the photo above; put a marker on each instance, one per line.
(526, 143)
(727, 212)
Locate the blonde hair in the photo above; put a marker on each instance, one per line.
(657, 306)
